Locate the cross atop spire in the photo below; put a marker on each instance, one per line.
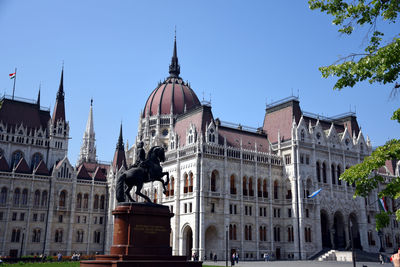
(88, 148)
(174, 68)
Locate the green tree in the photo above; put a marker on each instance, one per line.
(378, 63)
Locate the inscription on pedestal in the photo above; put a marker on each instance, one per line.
(150, 229)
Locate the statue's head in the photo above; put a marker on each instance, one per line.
(140, 144)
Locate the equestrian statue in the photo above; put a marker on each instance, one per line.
(143, 171)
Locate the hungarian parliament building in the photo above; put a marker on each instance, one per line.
(233, 188)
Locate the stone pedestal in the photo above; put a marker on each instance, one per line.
(141, 238)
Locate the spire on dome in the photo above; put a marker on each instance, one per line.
(174, 68)
(88, 148)
(59, 108)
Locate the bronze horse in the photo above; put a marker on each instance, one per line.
(137, 176)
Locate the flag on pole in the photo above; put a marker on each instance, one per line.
(382, 204)
(314, 193)
(12, 75)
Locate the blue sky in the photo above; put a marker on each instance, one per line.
(239, 54)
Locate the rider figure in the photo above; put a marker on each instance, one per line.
(141, 158)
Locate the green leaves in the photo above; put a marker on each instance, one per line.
(381, 220)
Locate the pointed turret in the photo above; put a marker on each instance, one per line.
(119, 155)
(59, 108)
(88, 148)
(174, 68)
(38, 98)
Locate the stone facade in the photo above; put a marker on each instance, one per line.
(251, 186)
(46, 204)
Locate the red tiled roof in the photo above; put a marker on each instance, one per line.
(41, 169)
(280, 119)
(4, 165)
(83, 174)
(249, 139)
(199, 117)
(14, 112)
(119, 159)
(99, 174)
(22, 167)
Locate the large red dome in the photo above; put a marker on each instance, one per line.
(173, 95)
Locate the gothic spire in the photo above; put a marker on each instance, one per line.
(88, 148)
(120, 144)
(119, 155)
(38, 97)
(174, 68)
(59, 107)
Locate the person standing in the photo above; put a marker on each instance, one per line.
(59, 256)
(233, 259)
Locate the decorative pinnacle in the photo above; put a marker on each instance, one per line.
(60, 93)
(120, 144)
(174, 68)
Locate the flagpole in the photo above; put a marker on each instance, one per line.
(15, 79)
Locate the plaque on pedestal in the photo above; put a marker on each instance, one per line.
(141, 238)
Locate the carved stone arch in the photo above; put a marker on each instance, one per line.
(338, 230)
(212, 239)
(355, 229)
(325, 229)
(214, 181)
(212, 133)
(187, 238)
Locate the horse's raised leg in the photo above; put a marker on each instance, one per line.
(128, 193)
(138, 188)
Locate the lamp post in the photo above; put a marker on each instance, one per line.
(22, 242)
(380, 234)
(353, 256)
(226, 245)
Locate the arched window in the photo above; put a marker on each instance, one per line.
(232, 185)
(36, 199)
(36, 158)
(246, 233)
(15, 235)
(230, 232)
(36, 236)
(302, 135)
(251, 191)
(324, 172)
(244, 186)
(333, 172)
(62, 199)
(290, 234)
(79, 201)
(16, 157)
(275, 189)
(96, 202)
(318, 170)
(96, 237)
(214, 181)
(3, 196)
(234, 232)
(44, 199)
(339, 172)
(86, 201)
(265, 191)
(25, 197)
(102, 202)
(58, 237)
(186, 181)
(79, 236)
(259, 188)
(17, 195)
(277, 234)
(191, 182)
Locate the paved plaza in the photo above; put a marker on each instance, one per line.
(298, 264)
